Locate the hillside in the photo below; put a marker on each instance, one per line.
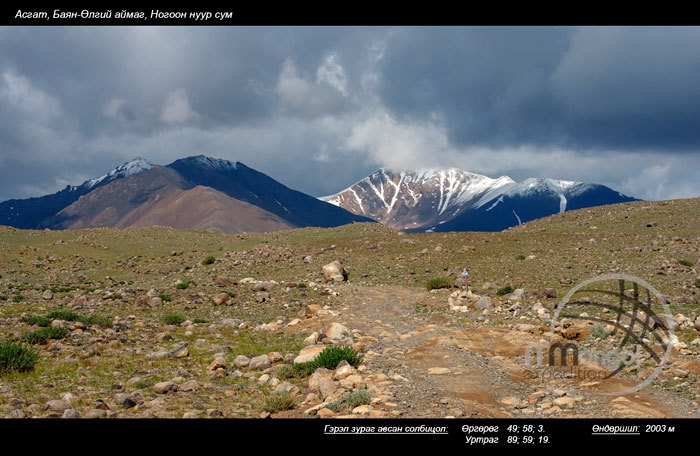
(421, 359)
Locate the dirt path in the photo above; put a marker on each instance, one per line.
(440, 366)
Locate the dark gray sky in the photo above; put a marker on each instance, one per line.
(318, 108)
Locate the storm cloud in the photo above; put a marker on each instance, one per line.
(318, 108)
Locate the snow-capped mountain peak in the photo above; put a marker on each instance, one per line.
(126, 169)
(213, 163)
(406, 199)
(430, 199)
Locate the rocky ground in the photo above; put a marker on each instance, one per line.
(156, 328)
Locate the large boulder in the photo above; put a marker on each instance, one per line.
(335, 271)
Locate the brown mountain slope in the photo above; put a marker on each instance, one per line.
(203, 208)
(161, 196)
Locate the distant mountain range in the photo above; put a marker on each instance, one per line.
(455, 200)
(211, 194)
(195, 192)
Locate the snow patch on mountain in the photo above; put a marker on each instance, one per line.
(126, 169)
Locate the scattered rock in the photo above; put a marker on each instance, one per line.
(164, 387)
(189, 386)
(261, 362)
(241, 361)
(96, 413)
(438, 371)
(483, 303)
(335, 271)
(339, 334)
(47, 295)
(263, 286)
(309, 353)
(518, 294)
(312, 339)
(220, 299)
(58, 405)
(666, 321)
(181, 351)
(218, 363)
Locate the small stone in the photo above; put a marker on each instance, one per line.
(70, 414)
(220, 299)
(339, 334)
(484, 303)
(96, 413)
(309, 353)
(164, 387)
(181, 351)
(47, 295)
(241, 361)
(189, 386)
(325, 413)
(438, 371)
(58, 405)
(326, 387)
(563, 401)
(666, 321)
(343, 372)
(70, 398)
(261, 362)
(218, 363)
(190, 415)
(512, 401)
(312, 339)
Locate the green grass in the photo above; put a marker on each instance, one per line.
(185, 285)
(299, 370)
(3, 298)
(105, 322)
(600, 332)
(230, 293)
(331, 356)
(173, 319)
(277, 402)
(520, 257)
(114, 296)
(65, 315)
(209, 260)
(41, 336)
(505, 290)
(350, 401)
(687, 263)
(16, 357)
(328, 358)
(37, 320)
(438, 282)
(58, 289)
(18, 298)
(165, 297)
(697, 283)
